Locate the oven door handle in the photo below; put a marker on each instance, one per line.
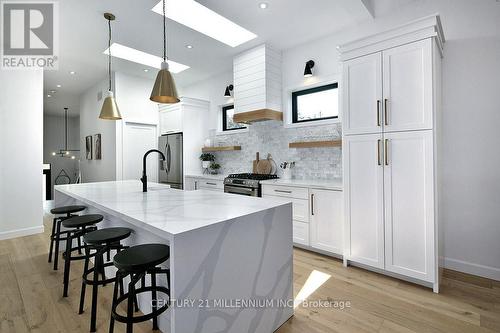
(240, 190)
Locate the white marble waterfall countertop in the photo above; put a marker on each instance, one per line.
(169, 210)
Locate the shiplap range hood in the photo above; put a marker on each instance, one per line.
(257, 85)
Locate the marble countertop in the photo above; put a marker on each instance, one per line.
(207, 176)
(329, 184)
(170, 210)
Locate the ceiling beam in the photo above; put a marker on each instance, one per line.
(369, 7)
(355, 7)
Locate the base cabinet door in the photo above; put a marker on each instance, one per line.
(326, 226)
(409, 202)
(301, 233)
(364, 199)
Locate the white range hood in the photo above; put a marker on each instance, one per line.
(257, 85)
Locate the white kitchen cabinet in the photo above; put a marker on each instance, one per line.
(326, 226)
(390, 183)
(317, 216)
(408, 86)
(170, 119)
(409, 193)
(362, 95)
(364, 199)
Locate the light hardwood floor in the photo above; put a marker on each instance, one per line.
(31, 299)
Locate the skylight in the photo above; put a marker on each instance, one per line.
(198, 17)
(130, 54)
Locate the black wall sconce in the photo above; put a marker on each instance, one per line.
(229, 88)
(308, 69)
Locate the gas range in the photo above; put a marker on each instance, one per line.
(245, 183)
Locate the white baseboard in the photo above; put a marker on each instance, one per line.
(21, 232)
(471, 268)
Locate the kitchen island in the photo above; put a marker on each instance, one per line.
(230, 256)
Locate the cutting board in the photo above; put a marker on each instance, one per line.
(264, 167)
(255, 162)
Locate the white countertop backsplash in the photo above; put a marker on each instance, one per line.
(272, 137)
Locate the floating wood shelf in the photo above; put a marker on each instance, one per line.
(315, 144)
(213, 149)
(258, 115)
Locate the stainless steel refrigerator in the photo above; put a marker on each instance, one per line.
(171, 146)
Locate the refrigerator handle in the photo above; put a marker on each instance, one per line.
(169, 157)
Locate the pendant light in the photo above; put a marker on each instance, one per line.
(65, 152)
(164, 90)
(109, 108)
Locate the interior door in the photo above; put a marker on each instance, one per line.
(326, 220)
(364, 201)
(408, 87)
(138, 139)
(362, 95)
(409, 204)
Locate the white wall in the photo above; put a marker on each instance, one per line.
(471, 113)
(21, 136)
(90, 124)
(53, 141)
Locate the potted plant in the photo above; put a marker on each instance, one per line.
(206, 158)
(214, 167)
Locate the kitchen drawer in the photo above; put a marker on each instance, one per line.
(300, 208)
(286, 191)
(301, 233)
(209, 184)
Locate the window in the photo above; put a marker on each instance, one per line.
(317, 103)
(227, 119)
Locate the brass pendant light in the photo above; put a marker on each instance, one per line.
(109, 108)
(164, 90)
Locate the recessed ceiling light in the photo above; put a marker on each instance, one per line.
(49, 95)
(58, 86)
(52, 91)
(72, 72)
(198, 17)
(263, 5)
(130, 54)
(145, 70)
(189, 46)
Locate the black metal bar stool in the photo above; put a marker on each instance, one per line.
(55, 236)
(77, 227)
(137, 262)
(97, 243)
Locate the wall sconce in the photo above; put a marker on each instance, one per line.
(308, 69)
(229, 88)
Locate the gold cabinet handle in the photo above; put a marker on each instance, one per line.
(378, 113)
(386, 150)
(386, 119)
(378, 152)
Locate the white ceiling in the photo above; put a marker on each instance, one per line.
(83, 37)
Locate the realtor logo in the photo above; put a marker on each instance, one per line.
(29, 34)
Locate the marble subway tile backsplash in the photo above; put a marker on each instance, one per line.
(271, 137)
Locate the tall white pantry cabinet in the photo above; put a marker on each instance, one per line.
(391, 106)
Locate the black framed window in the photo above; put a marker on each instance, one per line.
(227, 119)
(318, 103)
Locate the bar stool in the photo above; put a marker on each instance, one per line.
(100, 242)
(56, 227)
(77, 227)
(137, 262)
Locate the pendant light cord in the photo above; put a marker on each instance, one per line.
(164, 33)
(109, 55)
(66, 129)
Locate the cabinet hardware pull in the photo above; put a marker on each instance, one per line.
(312, 204)
(378, 113)
(386, 149)
(212, 184)
(378, 152)
(282, 191)
(386, 119)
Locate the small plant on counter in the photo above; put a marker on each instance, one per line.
(215, 167)
(206, 158)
